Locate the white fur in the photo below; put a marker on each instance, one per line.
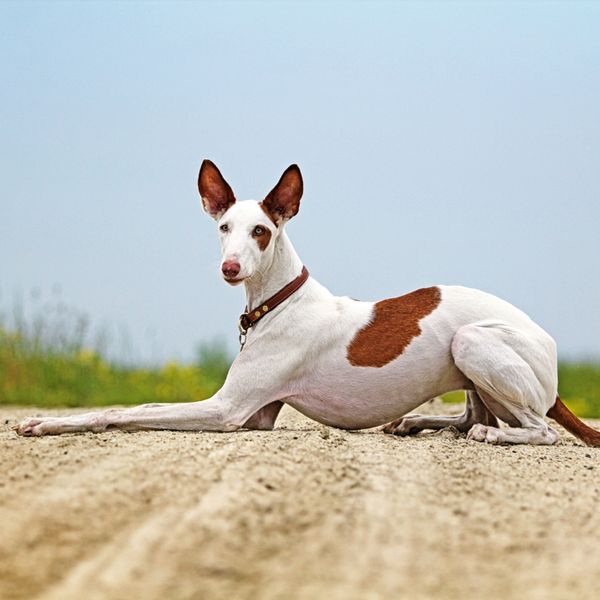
(297, 354)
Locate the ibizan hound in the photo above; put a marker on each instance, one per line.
(352, 364)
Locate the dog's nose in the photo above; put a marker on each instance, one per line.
(230, 269)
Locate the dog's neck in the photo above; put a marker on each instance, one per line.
(285, 267)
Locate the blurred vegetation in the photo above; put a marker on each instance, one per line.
(49, 358)
(579, 387)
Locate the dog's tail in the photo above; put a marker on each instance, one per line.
(563, 416)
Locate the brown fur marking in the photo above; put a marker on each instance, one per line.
(283, 201)
(263, 239)
(271, 218)
(217, 196)
(562, 415)
(395, 323)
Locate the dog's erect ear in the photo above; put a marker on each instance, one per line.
(283, 201)
(215, 192)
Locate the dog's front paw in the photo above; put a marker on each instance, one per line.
(34, 427)
(483, 433)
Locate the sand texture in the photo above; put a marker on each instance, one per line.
(303, 512)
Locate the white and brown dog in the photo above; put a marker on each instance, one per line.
(352, 364)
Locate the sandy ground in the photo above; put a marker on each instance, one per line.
(303, 512)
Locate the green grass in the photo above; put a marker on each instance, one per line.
(579, 388)
(84, 378)
(47, 360)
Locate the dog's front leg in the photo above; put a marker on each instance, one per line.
(254, 382)
(215, 414)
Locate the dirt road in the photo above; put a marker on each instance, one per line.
(304, 512)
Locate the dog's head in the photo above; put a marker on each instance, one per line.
(248, 230)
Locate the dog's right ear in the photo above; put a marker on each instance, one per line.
(215, 192)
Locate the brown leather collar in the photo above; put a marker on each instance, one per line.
(251, 317)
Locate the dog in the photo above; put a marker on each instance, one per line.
(352, 364)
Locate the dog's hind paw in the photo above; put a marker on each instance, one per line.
(483, 433)
(404, 426)
(389, 428)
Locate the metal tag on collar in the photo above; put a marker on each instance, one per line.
(243, 329)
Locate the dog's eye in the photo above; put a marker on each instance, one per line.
(224, 228)
(258, 230)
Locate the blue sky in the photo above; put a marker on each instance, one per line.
(439, 143)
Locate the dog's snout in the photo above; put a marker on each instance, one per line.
(230, 269)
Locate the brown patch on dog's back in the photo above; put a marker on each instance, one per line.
(395, 323)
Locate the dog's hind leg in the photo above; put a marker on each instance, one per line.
(514, 373)
(475, 412)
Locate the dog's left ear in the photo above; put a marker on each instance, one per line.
(283, 201)
(215, 192)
